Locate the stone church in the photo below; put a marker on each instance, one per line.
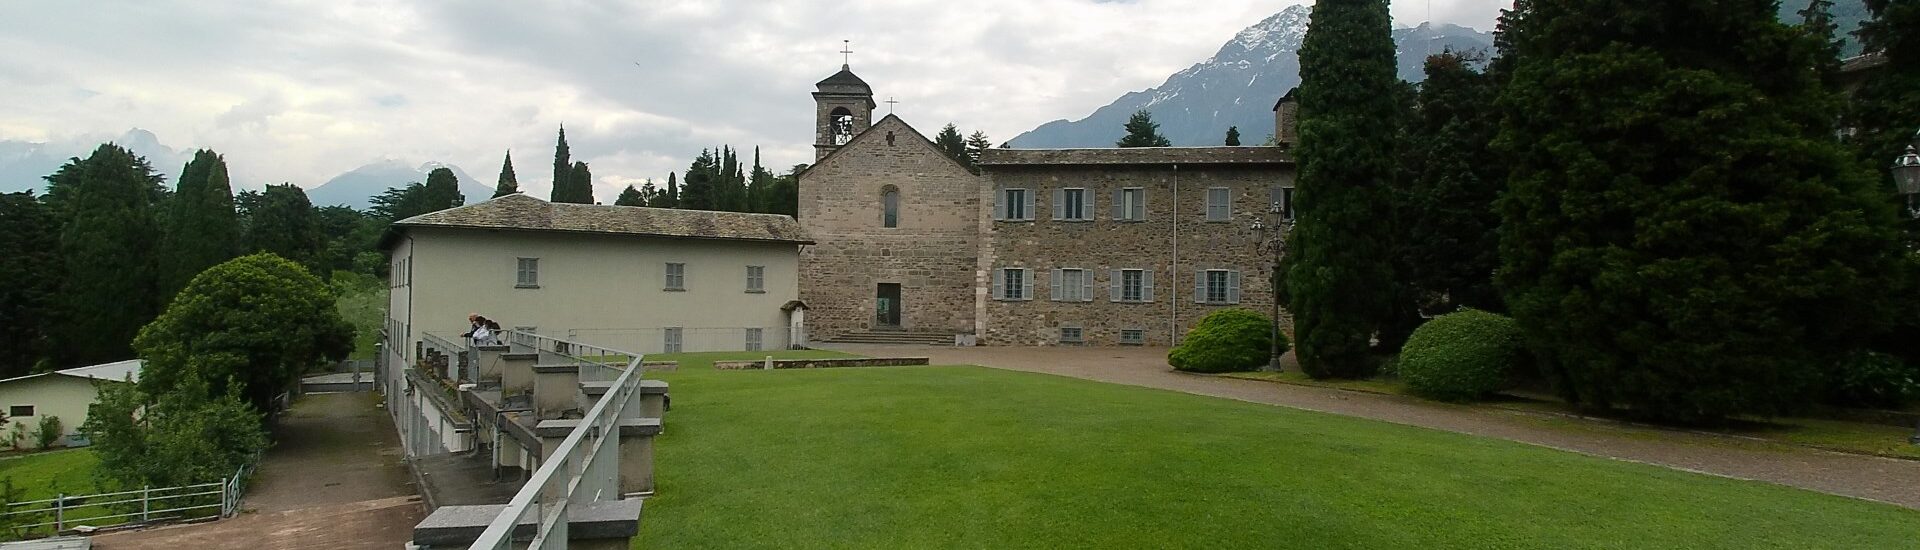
(1040, 246)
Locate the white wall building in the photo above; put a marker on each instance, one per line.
(63, 393)
(647, 280)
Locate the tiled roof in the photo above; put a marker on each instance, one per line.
(842, 79)
(518, 211)
(1137, 155)
(1869, 60)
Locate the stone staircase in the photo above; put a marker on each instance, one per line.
(893, 337)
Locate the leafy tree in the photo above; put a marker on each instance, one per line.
(579, 184)
(203, 228)
(509, 183)
(562, 170)
(1347, 126)
(443, 189)
(630, 197)
(1444, 212)
(977, 143)
(1233, 136)
(949, 141)
(178, 437)
(1680, 235)
(107, 242)
(31, 261)
(285, 225)
(1142, 131)
(253, 324)
(348, 235)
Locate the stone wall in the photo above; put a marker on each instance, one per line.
(823, 363)
(932, 254)
(1104, 244)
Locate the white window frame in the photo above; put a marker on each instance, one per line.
(755, 339)
(1219, 204)
(1130, 204)
(1078, 290)
(1070, 204)
(1216, 287)
(527, 273)
(676, 277)
(757, 279)
(1004, 205)
(1133, 285)
(1012, 278)
(672, 340)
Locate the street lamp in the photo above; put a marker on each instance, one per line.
(1276, 241)
(1906, 178)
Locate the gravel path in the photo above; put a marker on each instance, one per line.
(1873, 478)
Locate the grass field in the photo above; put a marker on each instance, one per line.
(918, 457)
(363, 302)
(46, 474)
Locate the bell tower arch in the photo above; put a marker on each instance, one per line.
(843, 107)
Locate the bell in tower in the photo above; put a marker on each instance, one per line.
(843, 106)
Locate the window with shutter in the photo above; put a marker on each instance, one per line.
(1132, 285)
(1114, 278)
(1146, 285)
(1071, 204)
(1219, 205)
(1086, 285)
(529, 273)
(1200, 287)
(1059, 204)
(1058, 289)
(1026, 213)
(998, 291)
(1026, 284)
(1233, 287)
(1000, 205)
(1015, 205)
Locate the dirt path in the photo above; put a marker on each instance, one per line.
(1873, 478)
(333, 479)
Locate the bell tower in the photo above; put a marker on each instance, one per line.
(843, 107)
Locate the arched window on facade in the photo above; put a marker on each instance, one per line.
(842, 129)
(890, 207)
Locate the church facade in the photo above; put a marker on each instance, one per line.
(1040, 246)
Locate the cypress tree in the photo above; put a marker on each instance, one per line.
(759, 186)
(1142, 131)
(509, 183)
(286, 226)
(1444, 212)
(671, 197)
(1680, 235)
(579, 184)
(1233, 136)
(630, 197)
(203, 229)
(30, 260)
(1337, 273)
(562, 169)
(107, 244)
(442, 190)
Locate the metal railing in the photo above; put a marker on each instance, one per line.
(220, 499)
(597, 363)
(584, 468)
(459, 368)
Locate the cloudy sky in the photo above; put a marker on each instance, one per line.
(300, 91)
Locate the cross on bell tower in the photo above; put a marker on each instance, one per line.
(843, 107)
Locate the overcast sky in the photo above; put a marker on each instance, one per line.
(299, 91)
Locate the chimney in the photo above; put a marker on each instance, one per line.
(1286, 119)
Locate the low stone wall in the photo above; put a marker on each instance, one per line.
(823, 363)
(659, 365)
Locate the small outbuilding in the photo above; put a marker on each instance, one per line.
(65, 394)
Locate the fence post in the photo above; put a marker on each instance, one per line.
(146, 502)
(223, 497)
(59, 513)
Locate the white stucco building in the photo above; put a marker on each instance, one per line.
(647, 280)
(63, 393)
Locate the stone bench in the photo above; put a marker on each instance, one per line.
(823, 363)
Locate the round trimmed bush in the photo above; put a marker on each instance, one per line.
(1461, 356)
(1229, 340)
(1873, 380)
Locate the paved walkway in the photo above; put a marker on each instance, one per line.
(1873, 478)
(333, 479)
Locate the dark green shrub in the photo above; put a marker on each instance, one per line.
(1873, 380)
(1230, 340)
(1461, 356)
(49, 432)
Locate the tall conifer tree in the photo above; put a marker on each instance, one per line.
(1680, 235)
(562, 169)
(508, 183)
(1338, 277)
(977, 143)
(30, 259)
(111, 282)
(287, 226)
(203, 229)
(697, 193)
(1233, 136)
(949, 141)
(442, 190)
(1142, 131)
(671, 197)
(579, 184)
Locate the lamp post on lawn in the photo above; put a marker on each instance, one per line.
(1906, 179)
(1276, 246)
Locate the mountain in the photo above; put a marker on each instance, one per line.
(1239, 84)
(357, 187)
(23, 164)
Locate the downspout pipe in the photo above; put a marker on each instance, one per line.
(1173, 296)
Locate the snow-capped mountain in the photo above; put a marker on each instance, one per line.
(1237, 86)
(23, 164)
(358, 186)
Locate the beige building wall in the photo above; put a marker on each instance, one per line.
(607, 290)
(51, 395)
(1174, 243)
(931, 254)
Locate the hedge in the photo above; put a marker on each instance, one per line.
(1229, 340)
(1461, 356)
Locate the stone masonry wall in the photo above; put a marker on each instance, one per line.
(932, 254)
(1104, 244)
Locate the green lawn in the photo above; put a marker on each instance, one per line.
(919, 457)
(46, 474)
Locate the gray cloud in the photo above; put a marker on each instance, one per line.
(300, 91)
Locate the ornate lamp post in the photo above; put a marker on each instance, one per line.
(1906, 177)
(1275, 245)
